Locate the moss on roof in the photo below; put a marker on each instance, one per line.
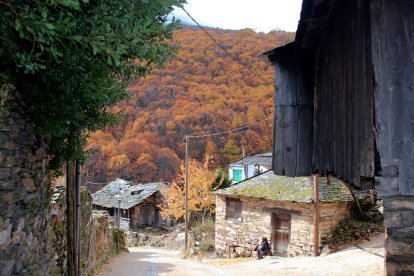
(298, 189)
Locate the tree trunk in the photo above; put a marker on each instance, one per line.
(71, 218)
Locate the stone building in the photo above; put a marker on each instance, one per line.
(250, 166)
(279, 208)
(136, 203)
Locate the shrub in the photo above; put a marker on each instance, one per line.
(207, 246)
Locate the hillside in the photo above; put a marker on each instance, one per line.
(201, 90)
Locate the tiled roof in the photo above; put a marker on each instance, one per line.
(297, 189)
(262, 159)
(130, 194)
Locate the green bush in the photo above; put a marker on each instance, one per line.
(206, 246)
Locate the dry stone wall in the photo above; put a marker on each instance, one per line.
(399, 243)
(98, 236)
(239, 238)
(25, 246)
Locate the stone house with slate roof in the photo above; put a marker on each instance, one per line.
(250, 166)
(279, 208)
(137, 202)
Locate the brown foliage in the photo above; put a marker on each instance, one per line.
(202, 90)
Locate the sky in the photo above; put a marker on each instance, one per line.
(259, 15)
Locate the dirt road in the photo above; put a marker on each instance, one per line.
(142, 261)
(366, 259)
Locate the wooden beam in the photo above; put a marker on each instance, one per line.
(353, 196)
(281, 211)
(315, 215)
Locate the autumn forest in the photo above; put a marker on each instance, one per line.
(202, 90)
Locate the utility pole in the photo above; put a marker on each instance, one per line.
(71, 220)
(78, 216)
(119, 222)
(186, 194)
(316, 215)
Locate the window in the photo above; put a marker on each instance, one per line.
(136, 192)
(237, 175)
(233, 209)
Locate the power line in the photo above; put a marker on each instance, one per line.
(234, 58)
(228, 131)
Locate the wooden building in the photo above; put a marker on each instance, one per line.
(344, 101)
(136, 204)
(279, 208)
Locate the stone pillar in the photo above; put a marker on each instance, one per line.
(25, 240)
(399, 243)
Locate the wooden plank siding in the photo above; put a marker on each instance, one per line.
(343, 123)
(352, 62)
(292, 149)
(392, 25)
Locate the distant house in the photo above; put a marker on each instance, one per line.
(137, 203)
(250, 166)
(279, 208)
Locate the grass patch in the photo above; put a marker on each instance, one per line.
(206, 246)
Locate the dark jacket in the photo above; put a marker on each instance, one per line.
(264, 246)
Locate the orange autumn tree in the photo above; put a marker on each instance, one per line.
(201, 200)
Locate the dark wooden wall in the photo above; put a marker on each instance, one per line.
(344, 102)
(293, 125)
(392, 26)
(343, 123)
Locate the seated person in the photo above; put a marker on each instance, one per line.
(263, 248)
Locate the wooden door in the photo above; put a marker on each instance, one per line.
(280, 233)
(147, 214)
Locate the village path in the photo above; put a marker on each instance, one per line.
(144, 261)
(366, 259)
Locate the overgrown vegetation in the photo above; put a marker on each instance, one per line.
(69, 60)
(356, 228)
(204, 233)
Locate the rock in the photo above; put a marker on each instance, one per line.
(5, 173)
(180, 236)
(242, 252)
(197, 243)
(192, 251)
(234, 255)
(142, 237)
(325, 250)
(7, 268)
(5, 235)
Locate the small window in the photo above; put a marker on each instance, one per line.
(233, 209)
(237, 175)
(137, 192)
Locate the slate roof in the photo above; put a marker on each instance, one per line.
(130, 193)
(297, 189)
(262, 159)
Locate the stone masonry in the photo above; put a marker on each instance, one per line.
(239, 238)
(399, 242)
(24, 204)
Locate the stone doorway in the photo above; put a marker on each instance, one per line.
(280, 234)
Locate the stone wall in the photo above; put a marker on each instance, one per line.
(240, 238)
(98, 236)
(25, 246)
(399, 242)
